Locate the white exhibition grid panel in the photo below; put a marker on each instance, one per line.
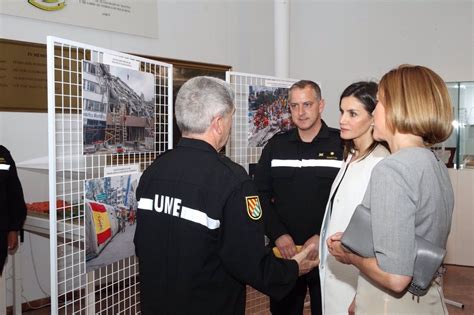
(112, 289)
(238, 148)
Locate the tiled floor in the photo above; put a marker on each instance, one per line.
(458, 286)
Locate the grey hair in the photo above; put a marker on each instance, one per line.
(199, 101)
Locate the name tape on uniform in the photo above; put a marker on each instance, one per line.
(172, 206)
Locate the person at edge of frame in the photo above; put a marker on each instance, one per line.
(199, 236)
(293, 177)
(12, 206)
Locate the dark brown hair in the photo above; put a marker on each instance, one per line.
(366, 93)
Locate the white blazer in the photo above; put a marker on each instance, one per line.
(339, 281)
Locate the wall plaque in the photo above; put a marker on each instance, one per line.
(23, 83)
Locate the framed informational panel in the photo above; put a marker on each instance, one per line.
(109, 117)
(23, 84)
(124, 16)
(261, 112)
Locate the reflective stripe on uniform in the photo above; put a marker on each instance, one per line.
(4, 167)
(307, 163)
(186, 213)
(199, 217)
(145, 204)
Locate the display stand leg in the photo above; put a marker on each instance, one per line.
(90, 297)
(454, 303)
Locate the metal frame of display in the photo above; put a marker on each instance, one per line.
(112, 288)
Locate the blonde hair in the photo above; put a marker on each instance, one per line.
(417, 102)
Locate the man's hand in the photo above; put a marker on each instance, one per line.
(335, 248)
(286, 246)
(305, 264)
(312, 240)
(12, 240)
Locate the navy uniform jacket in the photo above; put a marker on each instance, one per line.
(294, 179)
(12, 202)
(199, 236)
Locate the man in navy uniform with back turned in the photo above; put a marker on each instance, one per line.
(294, 177)
(199, 236)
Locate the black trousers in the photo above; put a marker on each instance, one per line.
(293, 303)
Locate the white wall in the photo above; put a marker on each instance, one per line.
(459, 248)
(340, 42)
(237, 33)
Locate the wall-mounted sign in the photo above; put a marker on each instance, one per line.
(23, 83)
(123, 16)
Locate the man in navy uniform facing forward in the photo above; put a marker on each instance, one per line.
(199, 236)
(294, 177)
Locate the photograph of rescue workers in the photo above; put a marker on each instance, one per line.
(268, 114)
(118, 109)
(110, 206)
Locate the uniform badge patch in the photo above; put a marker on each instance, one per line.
(254, 209)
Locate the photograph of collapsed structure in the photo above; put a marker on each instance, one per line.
(118, 109)
(268, 114)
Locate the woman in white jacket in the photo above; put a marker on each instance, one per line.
(361, 154)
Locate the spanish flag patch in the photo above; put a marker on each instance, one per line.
(254, 209)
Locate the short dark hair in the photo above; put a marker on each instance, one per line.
(365, 92)
(303, 84)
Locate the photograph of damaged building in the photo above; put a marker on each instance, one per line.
(118, 109)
